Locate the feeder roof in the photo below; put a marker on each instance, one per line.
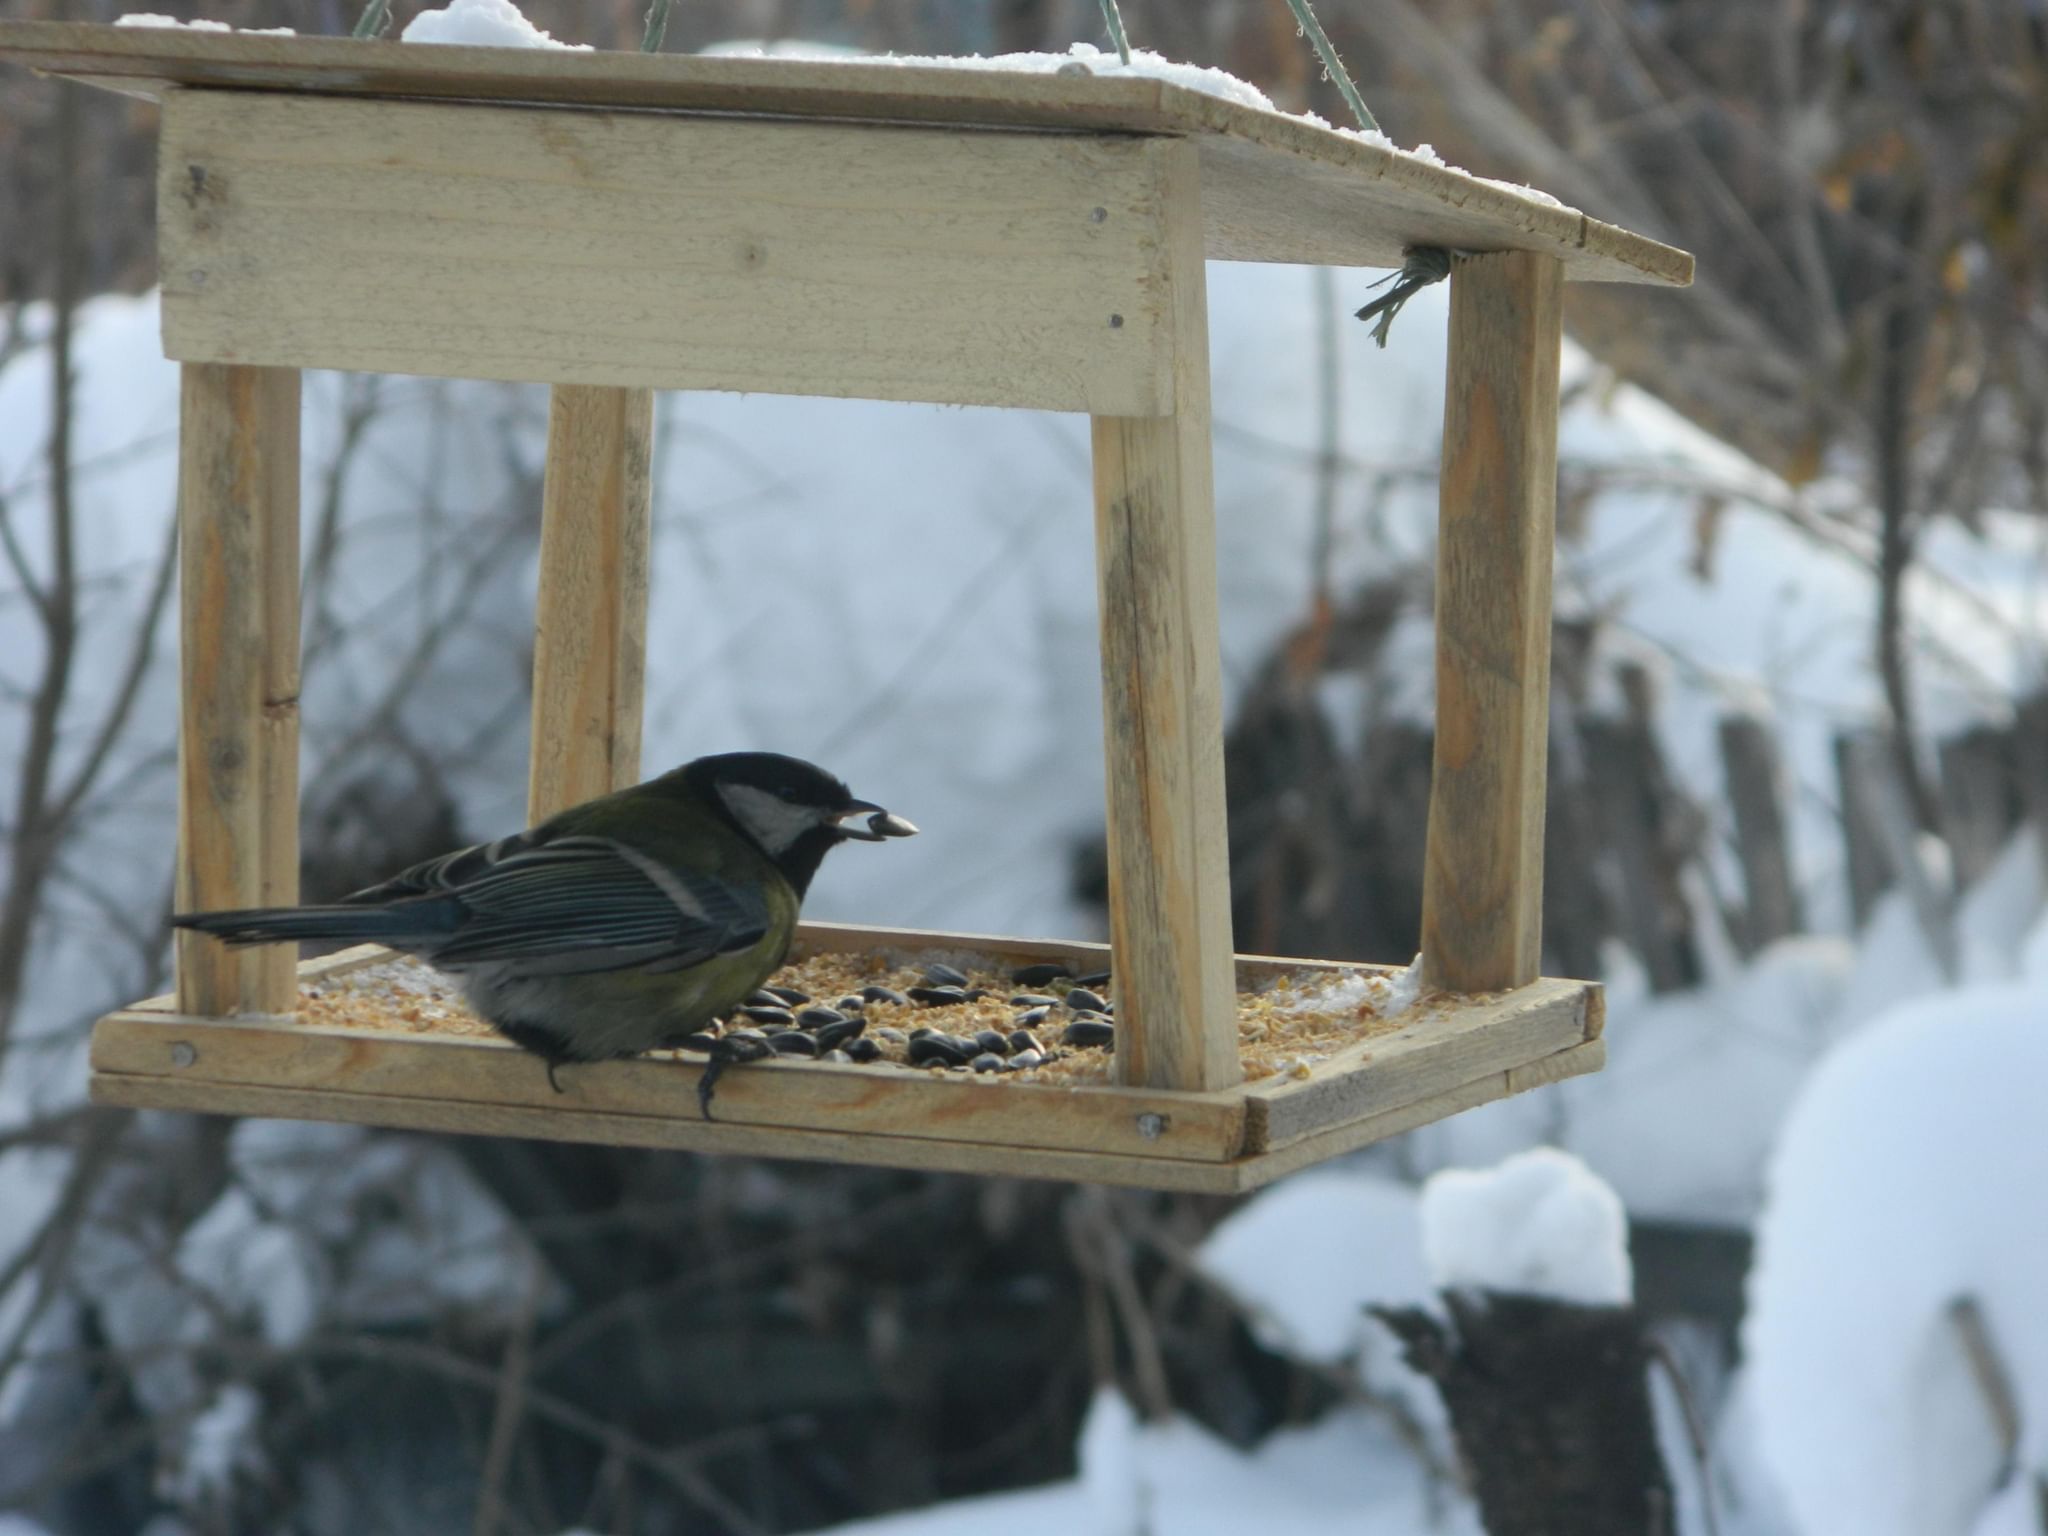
(1274, 187)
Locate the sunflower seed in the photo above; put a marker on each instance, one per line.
(762, 1013)
(1081, 1000)
(793, 1042)
(938, 997)
(838, 1032)
(944, 976)
(878, 994)
(1091, 1031)
(1039, 975)
(987, 1061)
(939, 1051)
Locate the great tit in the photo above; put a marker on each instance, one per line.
(629, 922)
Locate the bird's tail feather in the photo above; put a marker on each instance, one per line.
(286, 925)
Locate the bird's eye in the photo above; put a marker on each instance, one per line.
(787, 792)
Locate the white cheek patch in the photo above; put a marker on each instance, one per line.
(774, 823)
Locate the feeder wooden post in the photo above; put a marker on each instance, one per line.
(1482, 892)
(1155, 554)
(590, 632)
(238, 635)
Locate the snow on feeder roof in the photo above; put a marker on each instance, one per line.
(613, 223)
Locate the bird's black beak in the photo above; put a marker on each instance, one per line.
(879, 824)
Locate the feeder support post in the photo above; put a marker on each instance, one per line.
(1155, 555)
(238, 642)
(1482, 893)
(590, 623)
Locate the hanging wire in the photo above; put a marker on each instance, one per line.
(375, 18)
(1421, 265)
(1114, 20)
(657, 26)
(1332, 65)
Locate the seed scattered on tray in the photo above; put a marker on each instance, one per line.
(1035, 1023)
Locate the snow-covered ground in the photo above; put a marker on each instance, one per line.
(907, 594)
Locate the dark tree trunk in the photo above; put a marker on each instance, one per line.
(1551, 1406)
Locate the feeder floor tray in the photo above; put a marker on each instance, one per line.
(1325, 1073)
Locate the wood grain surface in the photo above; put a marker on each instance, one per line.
(1280, 188)
(590, 617)
(238, 637)
(1162, 700)
(1482, 892)
(638, 250)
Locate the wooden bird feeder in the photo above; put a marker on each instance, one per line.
(611, 224)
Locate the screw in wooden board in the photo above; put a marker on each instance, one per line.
(183, 1055)
(1151, 1126)
(1116, 322)
(1097, 215)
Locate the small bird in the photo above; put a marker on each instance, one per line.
(629, 922)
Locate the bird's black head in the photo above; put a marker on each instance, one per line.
(794, 811)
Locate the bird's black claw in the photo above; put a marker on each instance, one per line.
(552, 1083)
(724, 1051)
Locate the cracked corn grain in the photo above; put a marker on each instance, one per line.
(1284, 1030)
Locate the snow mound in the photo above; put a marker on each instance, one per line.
(1540, 1224)
(171, 23)
(1909, 1177)
(481, 24)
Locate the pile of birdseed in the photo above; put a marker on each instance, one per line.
(964, 1014)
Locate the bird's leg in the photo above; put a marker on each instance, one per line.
(724, 1051)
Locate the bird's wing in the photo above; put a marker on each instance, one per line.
(578, 903)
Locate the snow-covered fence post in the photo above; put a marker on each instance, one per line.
(1541, 1361)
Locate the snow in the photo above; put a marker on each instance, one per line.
(152, 19)
(1910, 1174)
(905, 593)
(1539, 1224)
(480, 24)
(217, 1447)
(1087, 59)
(1351, 1239)
(1350, 991)
(1346, 1472)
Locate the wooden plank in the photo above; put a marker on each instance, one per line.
(1756, 788)
(590, 621)
(797, 258)
(1281, 188)
(1254, 1172)
(877, 1099)
(1867, 863)
(1980, 802)
(1162, 699)
(665, 1133)
(1440, 1048)
(1482, 895)
(238, 512)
